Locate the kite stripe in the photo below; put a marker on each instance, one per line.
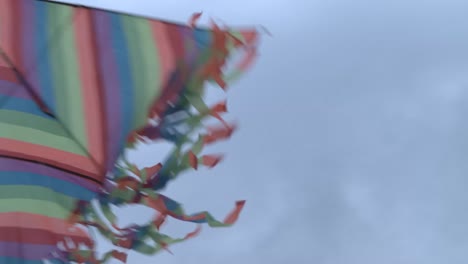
(18, 260)
(14, 250)
(33, 236)
(67, 40)
(90, 83)
(78, 85)
(39, 222)
(62, 178)
(36, 202)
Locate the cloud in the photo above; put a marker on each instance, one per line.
(352, 146)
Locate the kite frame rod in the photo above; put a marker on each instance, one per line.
(115, 11)
(42, 105)
(44, 108)
(84, 176)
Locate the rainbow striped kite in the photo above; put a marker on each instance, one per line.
(78, 87)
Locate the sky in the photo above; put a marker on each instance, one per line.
(353, 141)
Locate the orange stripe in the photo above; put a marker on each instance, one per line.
(34, 221)
(59, 158)
(166, 55)
(89, 84)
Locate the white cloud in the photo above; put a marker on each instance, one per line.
(353, 143)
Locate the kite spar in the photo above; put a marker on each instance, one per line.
(80, 86)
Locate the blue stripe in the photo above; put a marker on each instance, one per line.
(60, 186)
(121, 53)
(43, 66)
(23, 105)
(202, 39)
(12, 260)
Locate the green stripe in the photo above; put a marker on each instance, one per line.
(144, 59)
(34, 136)
(151, 88)
(37, 193)
(35, 207)
(137, 72)
(56, 16)
(130, 28)
(67, 75)
(29, 120)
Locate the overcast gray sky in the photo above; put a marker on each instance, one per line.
(353, 143)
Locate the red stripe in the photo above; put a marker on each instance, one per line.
(89, 85)
(15, 55)
(32, 225)
(100, 91)
(170, 91)
(8, 74)
(58, 158)
(36, 236)
(5, 28)
(166, 54)
(17, 25)
(40, 222)
(175, 37)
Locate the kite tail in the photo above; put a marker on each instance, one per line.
(176, 123)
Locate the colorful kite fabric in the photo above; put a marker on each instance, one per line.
(79, 87)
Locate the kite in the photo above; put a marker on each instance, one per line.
(81, 86)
